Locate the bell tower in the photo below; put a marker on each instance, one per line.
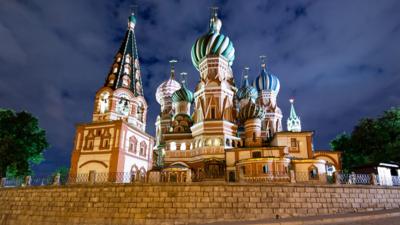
(115, 141)
(121, 97)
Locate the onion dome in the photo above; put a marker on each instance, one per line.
(247, 91)
(293, 122)
(213, 43)
(251, 111)
(183, 94)
(168, 87)
(267, 81)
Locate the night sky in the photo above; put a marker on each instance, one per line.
(339, 59)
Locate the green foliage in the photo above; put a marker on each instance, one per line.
(372, 141)
(22, 143)
(63, 171)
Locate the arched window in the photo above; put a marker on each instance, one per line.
(125, 81)
(254, 136)
(127, 69)
(103, 102)
(134, 173)
(172, 146)
(132, 144)
(143, 149)
(123, 106)
(105, 139)
(217, 142)
(127, 58)
(183, 146)
(313, 172)
(89, 140)
(265, 168)
(209, 142)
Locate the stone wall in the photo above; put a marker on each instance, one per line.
(184, 203)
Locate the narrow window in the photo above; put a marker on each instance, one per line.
(256, 154)
(265, 168)
(293, 142)
(213, 113)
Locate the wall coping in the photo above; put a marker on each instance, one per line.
(206, 184)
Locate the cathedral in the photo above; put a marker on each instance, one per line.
(220, 131)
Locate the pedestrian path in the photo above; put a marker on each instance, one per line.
(386, 217)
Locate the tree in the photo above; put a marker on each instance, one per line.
(371, 141)
(63, 171)
(22, 143)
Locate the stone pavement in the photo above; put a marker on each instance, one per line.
(383, 217)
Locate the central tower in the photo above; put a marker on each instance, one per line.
(214, 108)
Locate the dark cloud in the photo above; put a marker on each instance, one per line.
(339, 59)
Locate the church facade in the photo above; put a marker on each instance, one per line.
(219, 131)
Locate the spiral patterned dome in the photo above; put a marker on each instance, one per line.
(213, 43)
(267, 81)
(166, 89)
(247, 91)
(251, 111)
(183, 95)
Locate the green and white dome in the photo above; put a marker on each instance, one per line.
(183, 95)
(213, 43)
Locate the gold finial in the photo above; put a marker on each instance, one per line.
(263, 59)
(214, 11)
(172, 63)
(246, 72)
(183, 77)
(133, 9)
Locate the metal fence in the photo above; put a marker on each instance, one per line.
(134, 177)
(353, 178)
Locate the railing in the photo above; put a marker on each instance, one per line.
(354, 178)
(269, 177)
(396, 180)
(83, 178)
(141, 176)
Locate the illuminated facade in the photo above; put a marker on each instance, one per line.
(233, 134)
(218, 131)
(116, 141)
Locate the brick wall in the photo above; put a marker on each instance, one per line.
(194, 203)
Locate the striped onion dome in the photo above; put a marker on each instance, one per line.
(247, 91)
(251, 111)
(267, 81)
(183, 95)
(213, 43)
(167, 88)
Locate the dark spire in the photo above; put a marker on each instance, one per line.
(126, 62)
(183, 79)
(172, 63)
(246, 77)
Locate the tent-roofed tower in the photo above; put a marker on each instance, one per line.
(125, 70)
(121, 96)
(116, 140)
(293, 121)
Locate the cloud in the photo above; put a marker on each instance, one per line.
(339, 58)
